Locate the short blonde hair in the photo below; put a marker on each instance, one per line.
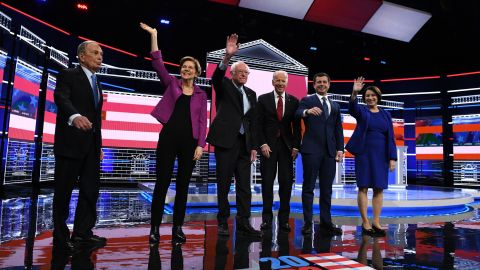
(198, 68)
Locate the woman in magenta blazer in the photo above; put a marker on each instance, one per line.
(183, 114)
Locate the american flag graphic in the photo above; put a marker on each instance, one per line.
(127, 122)
(24, 102)
(333, 261)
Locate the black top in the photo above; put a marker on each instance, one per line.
(180, 123)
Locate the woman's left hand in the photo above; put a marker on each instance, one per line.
(392, 165)
(198, 153)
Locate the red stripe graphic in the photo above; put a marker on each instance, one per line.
(15, 133)
(128, 144)
(124, 107)
(26, 86)
(131, 126)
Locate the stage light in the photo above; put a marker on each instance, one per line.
(313, 48)
(164, 21)
(366, 58)
(82, 6)
(383, 62)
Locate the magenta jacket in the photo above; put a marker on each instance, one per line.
(173, 90)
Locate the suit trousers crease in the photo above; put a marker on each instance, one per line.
(67, 171)
(234, 161)
(168, 148)
(281, 156)
(323, 166)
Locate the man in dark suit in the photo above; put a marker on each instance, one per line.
(232, 132)
(77, 147)
(279, 140)
(322, 145)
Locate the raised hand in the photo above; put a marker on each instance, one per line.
(358, 84)
(152, 31)
(232, 45)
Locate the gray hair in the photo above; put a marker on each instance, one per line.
(83, 46)
(280, 72)
(234, 66)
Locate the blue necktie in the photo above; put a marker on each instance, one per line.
(95, 89)
(325, 107)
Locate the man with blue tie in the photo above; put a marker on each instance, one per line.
(77, 148)
(321, 147)
(232, 132)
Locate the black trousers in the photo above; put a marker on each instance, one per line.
(168, 148)
(67, 171)
(233, 161)
(281, 156)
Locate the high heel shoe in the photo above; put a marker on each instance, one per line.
(177, 235)
(369, 232)
(154, 235)
(378, 231)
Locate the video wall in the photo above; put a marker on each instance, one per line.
(130, 134)
(3, 62)
(466, 149)
(22, 123)
(24, 105)
(429, 148)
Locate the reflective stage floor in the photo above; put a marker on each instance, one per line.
(422, 241)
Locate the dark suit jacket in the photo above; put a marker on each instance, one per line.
(225, 127)
(269, 126)
(319, 131)
(73, 94)
(356, 144)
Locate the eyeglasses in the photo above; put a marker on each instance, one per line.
(245, 72)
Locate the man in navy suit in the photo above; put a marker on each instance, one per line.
(77, 148)
(321, 147)
(279, 140)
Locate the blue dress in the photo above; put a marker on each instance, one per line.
(371, 167)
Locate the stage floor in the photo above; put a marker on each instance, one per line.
(413, 242)
(398, 202)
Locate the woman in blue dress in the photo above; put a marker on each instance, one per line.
(373, 145)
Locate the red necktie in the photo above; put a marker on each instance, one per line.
(279, 108)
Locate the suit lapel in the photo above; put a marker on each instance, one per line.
(333, 107)
(271, 103)
(237, 97)
(288, 104)
(85, 83)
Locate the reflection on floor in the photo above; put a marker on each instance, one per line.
(446, 242)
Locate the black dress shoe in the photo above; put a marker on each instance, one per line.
(330, 229)
(64, 245)
(92, 239)
(223, 229)
(369, 232)
(307, 228)
(154, 236)
(285, 227)
(378, 231)
(246, 229)
(266, 225)
(177, 235)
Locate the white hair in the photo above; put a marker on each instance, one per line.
(280, 72)
(234, 66)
